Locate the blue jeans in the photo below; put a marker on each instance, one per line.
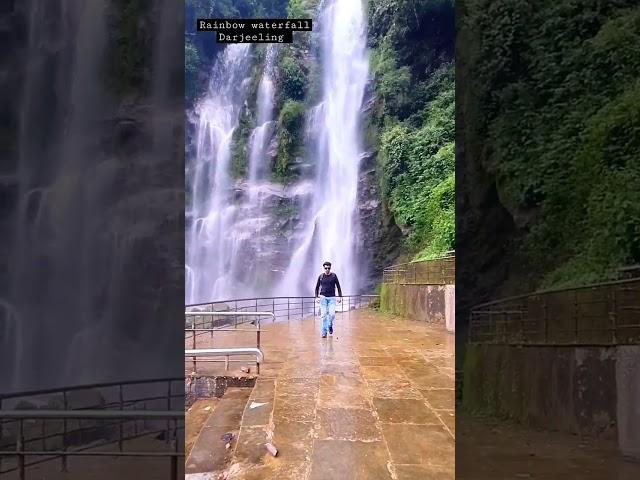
(327, 313)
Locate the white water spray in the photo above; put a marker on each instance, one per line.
(210, 245)
(332, 225)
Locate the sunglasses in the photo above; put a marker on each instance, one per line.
(327, 268)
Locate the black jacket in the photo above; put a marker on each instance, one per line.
(327, 285)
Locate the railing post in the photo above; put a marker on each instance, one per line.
(545, 320)
(1, 430)
(492, 328)
(20, 449)
(576, 333)
(194, 342)
(614, 317)
(288, 308)
(258, 345)
(174, 458)
(120, 433)
(44, 435)
(168, 408)
(64, 433)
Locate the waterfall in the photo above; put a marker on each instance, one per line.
(57, 268)
(76, 309)
(262, 133)
(331, 222)
(211, 245)
(239, 243)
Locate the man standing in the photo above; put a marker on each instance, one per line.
(326, 287)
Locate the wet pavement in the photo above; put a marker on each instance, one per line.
(491, 449)
(105, 467)
(194, 419)
(373, 401)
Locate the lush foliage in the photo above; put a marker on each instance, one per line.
(414, 86)
(201, 48)
(556, 119)
(292, 79)
(129, 56)
(301, 8)
(289, 136)
(410, 125)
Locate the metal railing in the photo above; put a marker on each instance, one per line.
(196, 330)
(20, 416)
(600, 314)
(440, 271)
(210, 317)
(225, 352)
(81, 421)
(283, 308)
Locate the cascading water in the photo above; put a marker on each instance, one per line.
(262, 133)
(211, 245)
(47, 282)
(69, 316)
(331, 222)
(250, 229)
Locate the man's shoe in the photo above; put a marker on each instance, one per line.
(331, 331)
(324, 335)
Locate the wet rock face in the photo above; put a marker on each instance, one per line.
(13, 37)
(104, 228)
(380, 238)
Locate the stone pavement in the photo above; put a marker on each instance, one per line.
(489, 449)
(373, 401)
(102, 467)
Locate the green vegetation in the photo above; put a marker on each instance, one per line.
(411, 124)
(556, 116)
(129, 57)
(289, 135)
(292, 79)
(201, 48)
(295, 72)
(414, 118)
(300, 8)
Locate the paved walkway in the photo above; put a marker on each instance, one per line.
(373, 401)
(490, 449)
(103, 467)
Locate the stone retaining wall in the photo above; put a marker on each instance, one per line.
(427, 303)
(582, 390)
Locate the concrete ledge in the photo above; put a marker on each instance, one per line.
(628, 399)
(426, 303)
(571, 389)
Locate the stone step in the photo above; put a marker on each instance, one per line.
(210, 454)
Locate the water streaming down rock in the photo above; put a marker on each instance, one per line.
(45, 281)
(331, 223)
(211, 245)
(252, 217)
(72, 262)
(260, 136)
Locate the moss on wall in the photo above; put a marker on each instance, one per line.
(568, 388)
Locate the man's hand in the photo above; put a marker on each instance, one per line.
(339, 299)
(317, 301)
